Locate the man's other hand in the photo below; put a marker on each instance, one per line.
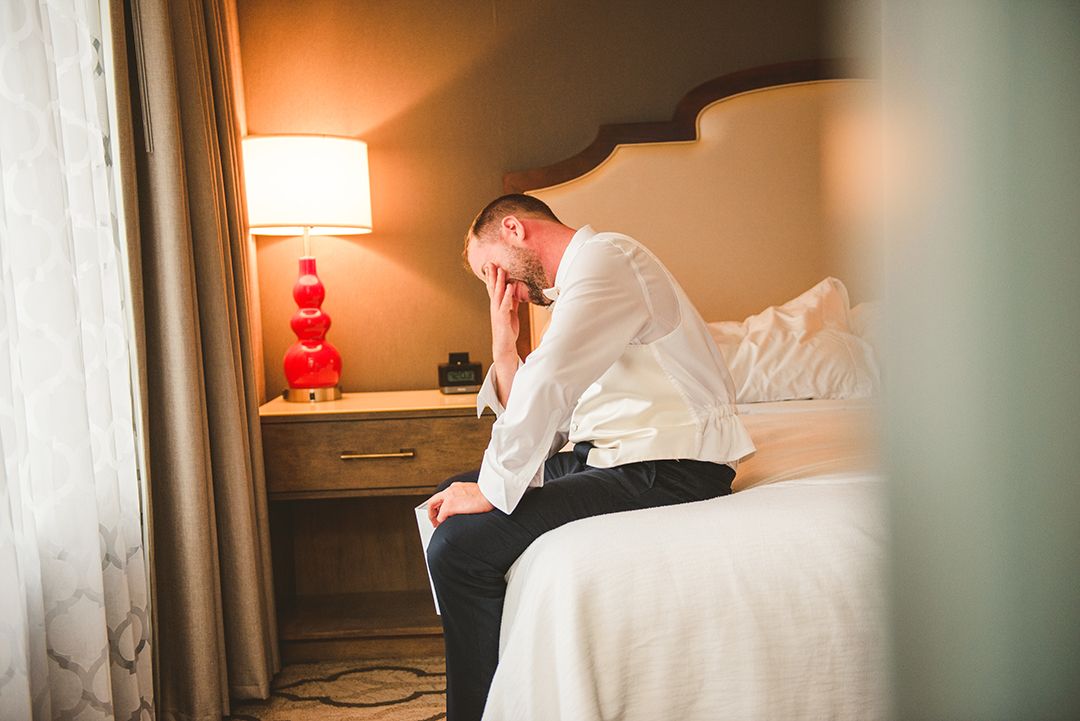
(456, 498)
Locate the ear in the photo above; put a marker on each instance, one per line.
(512, 230)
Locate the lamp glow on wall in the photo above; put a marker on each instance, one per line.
(309, 185)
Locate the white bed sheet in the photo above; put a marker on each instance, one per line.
(766, 604)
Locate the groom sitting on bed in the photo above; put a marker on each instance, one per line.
(627, 372)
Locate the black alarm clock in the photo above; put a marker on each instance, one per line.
(459, 375)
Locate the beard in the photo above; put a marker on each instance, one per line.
(527, 270)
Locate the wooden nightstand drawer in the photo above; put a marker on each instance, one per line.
(371, 456)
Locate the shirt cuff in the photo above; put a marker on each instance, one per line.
(488, 397)
(504, 493)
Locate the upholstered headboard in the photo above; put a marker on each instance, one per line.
(750, 203)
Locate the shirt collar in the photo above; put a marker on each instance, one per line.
(583, 234)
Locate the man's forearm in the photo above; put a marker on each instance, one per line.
(506, 366)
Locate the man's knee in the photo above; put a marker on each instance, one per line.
(437, 553)
(447, 561)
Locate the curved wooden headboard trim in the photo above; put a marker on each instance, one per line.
(683, 126)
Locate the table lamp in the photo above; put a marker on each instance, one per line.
(308, 184)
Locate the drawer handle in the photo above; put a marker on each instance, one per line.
(403, 453)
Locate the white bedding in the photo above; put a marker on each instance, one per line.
(766, 604)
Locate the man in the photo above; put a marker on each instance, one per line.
(627, 372)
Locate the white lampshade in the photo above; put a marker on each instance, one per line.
(307, 181)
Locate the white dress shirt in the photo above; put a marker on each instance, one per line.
(627, 363)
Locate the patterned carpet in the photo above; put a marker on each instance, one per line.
(398, 690)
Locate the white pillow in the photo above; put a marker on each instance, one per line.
(804, 348)
(868, 324)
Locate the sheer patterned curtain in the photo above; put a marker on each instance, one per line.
(74, 625)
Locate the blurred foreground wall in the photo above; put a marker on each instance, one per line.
(982, 230)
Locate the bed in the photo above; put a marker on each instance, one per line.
(768, 603)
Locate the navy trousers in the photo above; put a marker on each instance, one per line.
(469, 554)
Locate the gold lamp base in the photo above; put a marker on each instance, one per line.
(312, 395)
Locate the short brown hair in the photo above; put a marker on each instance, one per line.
(517, 204)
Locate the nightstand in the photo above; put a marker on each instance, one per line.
(342, 479)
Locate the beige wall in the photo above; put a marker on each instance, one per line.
(449, 96)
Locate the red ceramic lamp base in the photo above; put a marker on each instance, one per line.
(312, 364)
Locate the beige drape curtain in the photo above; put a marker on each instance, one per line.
(215, 632)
